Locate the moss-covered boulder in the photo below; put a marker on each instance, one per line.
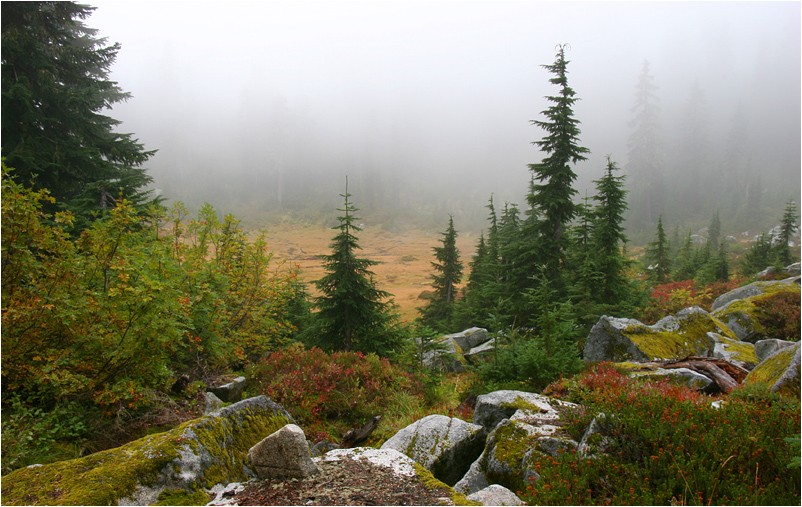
(174, 466)
(674, 337)
(780, 371)
(753, 289)
(763, 310)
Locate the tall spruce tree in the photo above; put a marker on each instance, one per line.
(55, 89)
(788, 226)
(609, 238)
(551, 193)
(645, 164)
(447, 275)
(353, 314)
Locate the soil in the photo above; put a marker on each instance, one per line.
(343, 482)
(405, 258)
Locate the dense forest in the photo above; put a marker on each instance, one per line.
(111, 293)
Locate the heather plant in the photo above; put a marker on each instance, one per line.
(779, 314)
(671, 446)
(669, 298)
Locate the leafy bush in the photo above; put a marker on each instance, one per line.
(528, 362)
(330, 393)
(672, 447)
(104, 320)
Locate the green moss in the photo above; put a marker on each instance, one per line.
(747, 313)
(690, 338)
(511, 444)
(105, 477)
(739, 351)
(521, 404)
(98, 479)
(770, 370)
(430, 482)
(183, 497)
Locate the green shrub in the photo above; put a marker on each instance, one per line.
(779, 314)
(672, 447)
(529, 362)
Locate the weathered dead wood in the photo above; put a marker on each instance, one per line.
(356, 436)
(726, 375)
(738, 373)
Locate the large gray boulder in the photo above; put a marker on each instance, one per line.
(283, 454)
(685, 376)
(766, 348)
(470, 338)
(780, 371)
(444, 445)
(751, 290)
(674, 337)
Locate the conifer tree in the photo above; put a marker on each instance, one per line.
(658, 255)
(645, 164)
(714, 233)
(448, 274)
(353, 314)
(788, 226)
(55, 88)
(551, 193)
(608, 236)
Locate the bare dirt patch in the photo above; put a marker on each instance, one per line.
(405, 258)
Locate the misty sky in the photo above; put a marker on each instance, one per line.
(434, 88)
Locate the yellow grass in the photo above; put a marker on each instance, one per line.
(405, 258)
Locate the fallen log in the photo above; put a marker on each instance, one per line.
(356, 436)
(724, 374)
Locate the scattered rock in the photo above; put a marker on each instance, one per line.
(535, 409)
(231, 392)
(595, 440)
(470, 338)
(687, 376)
(495, 494)
(767, 348)
(780, 371)
(283, 455)
(741, 312)
(213, 403)
(444, 445)
(751, 290)
(481, 353)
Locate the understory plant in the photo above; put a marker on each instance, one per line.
(670, 445)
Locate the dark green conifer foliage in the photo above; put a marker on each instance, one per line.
(55, 88)
(788, 226)
(714, 233)
(658, 255)
(552, 193)
(758, 257)
(447, 275)
(687, 260)
(609, 238)
(353, 314)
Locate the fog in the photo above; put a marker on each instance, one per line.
(263, 108)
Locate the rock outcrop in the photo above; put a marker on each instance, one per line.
(495, 494)
(230, 392)
(444, 445)
(197, 454)
(740, 311)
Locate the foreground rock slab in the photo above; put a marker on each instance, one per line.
(196, 455)
(495, 494)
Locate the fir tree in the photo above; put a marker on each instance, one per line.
(551, 193)
(353, 314)
(658, 255)
(55, 82)
(645, 153)
(714, 233)
(448, 274)
(608, 236)
(788, 226)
